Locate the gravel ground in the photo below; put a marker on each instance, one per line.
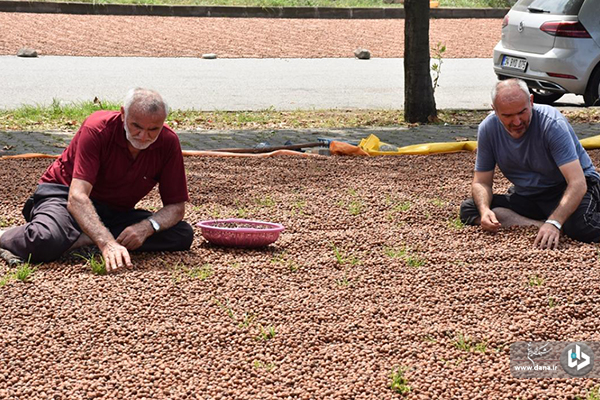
(81, 35)
(406, 284)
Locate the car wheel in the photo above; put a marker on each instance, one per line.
(542, 96)
(592, 93)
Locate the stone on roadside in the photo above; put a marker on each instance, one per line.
(362, 54)
(26, 52)
(209, 56)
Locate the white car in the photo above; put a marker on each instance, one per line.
(554, 46)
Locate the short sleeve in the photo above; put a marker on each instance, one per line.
(485, 161)
(172, 182)
(87, 155)
(560, 142)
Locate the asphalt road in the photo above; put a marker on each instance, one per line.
(242, 84)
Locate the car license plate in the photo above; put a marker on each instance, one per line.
(513, 62)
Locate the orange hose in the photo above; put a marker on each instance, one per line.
(208, 153)
(201, 153)
(29, 155)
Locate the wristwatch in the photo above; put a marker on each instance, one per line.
(554, 222)
(154, 224)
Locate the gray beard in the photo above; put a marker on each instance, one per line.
(134, 142)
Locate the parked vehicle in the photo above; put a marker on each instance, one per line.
(554, 46)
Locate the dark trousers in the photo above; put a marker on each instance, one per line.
(582, 225)
(51, 230)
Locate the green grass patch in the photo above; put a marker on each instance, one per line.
(69, 116)
(298, 207)
(204, 272)
(404, 206)
(6, 279)
(266, 201)
(399, 383)
(392, 252)
(355, 207)
(429, 339)
(462, 342)
(415, 261)
(23, 273)
(438, 202)
(344, 281)
(6, 222)
(281, 258)
(57, 115)
(411, 258)
(535, 280)
(247, 320)
(96, 263)
(181, 271)
(593, 393)
(225, 307)
(262, 365)
(241, 213)
(456, 223)
(465, 343)
(342, 258)
(266, 332)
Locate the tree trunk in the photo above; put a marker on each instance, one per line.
(419, 103)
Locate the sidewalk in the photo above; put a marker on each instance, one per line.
(20, 142)
(240, 11)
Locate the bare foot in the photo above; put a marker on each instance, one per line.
(82, 240)
(508, 217)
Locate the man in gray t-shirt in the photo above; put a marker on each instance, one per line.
(556, 186)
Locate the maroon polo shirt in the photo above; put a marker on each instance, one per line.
(98, 154)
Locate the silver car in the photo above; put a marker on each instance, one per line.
(554, 46)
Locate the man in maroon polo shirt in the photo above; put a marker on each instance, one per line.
(88, 195)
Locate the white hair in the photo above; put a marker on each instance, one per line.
(509, 83)
(146, 101)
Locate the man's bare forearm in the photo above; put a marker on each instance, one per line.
(570, 201)
(482, 196)
(169, 215)
(82, 209)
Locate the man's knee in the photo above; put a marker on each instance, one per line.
(468, 212)
(39, 242)
(177, 238)
(578, 229)
(186, 232)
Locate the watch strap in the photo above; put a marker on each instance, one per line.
(554, 222)
(154, 224)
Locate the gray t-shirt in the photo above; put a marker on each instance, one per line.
(531, 162)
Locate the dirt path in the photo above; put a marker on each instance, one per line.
(80, 35)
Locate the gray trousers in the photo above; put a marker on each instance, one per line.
(51, 230)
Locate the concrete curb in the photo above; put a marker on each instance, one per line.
(239, 12)
(54, 142)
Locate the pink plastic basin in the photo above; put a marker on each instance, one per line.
(240, 232)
